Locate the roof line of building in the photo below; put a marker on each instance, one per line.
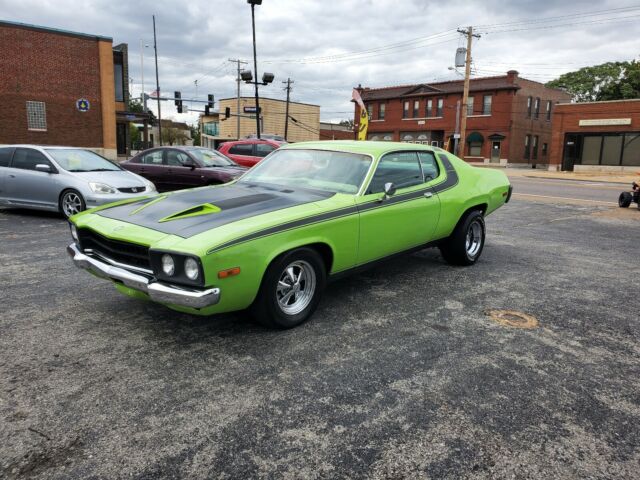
(601, 101)
(58, 31)
(268, 98)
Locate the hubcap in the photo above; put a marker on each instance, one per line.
(474, 239)
(296, 287)
(71, 204)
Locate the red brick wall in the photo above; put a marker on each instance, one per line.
(568, 116)
(56, 69)
(327, 134)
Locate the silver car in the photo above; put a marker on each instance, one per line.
(64, 179)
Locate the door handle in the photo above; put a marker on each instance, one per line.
(428, 194)
(11, 175)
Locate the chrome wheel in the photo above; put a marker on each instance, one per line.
(71, 204)
(296, 287)
(474, 239)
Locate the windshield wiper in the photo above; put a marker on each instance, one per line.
(77, 170)
(102, 170)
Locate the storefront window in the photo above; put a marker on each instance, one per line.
(611, 150)
(591, 150)
(631, 154)
(475, 149)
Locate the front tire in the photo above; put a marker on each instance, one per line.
(466, 243)
(624, 200)
(71, 202)
(291, 289)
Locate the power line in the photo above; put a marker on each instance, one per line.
(572, 24)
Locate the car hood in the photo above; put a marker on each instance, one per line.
(116, 178)
(231, 170)
(189, 212)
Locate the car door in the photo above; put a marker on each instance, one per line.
(244, 154)
(399, 222)
(263, 149)
(5, 159)
(27, 186)
(150, 166)
(181, 170)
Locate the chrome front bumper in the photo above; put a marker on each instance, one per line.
(159, 292)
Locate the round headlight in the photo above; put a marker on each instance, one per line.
(168, 265)
(191, 268)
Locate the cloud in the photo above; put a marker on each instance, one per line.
(196, 39)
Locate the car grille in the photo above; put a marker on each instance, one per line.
(122, 252)
(132, 189)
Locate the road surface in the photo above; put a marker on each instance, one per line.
(566, 191)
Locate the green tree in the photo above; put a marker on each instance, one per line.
(608, 81)
(347, 123)
(195, 134)
(173, 136)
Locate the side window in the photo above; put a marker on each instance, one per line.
(264, 149)
(400, 168)
(5, 156)
(242, 149)
(153, 158)
(176, 158)
(27, 159)
(429, 165)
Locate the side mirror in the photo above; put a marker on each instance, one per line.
(190, 164)
(389, 190)
(42, 167)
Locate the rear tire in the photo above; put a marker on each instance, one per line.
(624, 200)
(71, 202)
(466, 243)
(291, 289)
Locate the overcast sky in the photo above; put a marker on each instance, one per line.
(329, 46)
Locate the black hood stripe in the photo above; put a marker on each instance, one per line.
(450, 181)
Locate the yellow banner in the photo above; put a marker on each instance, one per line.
(364, 124)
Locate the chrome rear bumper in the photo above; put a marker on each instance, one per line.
(159, 292)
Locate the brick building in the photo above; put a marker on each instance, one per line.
(304, 119)
(509, 118)
(63, 88)
(596, 136)
(335, 131)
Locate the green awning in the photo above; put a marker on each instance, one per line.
(474, 137)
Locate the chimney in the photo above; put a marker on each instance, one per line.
(512, 76)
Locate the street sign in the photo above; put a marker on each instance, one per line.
(456, 136)
(251, 109)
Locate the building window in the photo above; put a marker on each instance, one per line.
(548, 110)
(405, 110)
(440, 107)
(36, 116)
(529, 103)
(486, 105)
(469, 105)
(429, 111)
(527, 147)
(381, 111)
(118, 76)
(475, 149)
(370, 111)
(631, 152)
(416, 108)
(537, 108)
(544, 149)
(534, 148)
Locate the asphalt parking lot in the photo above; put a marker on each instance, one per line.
(400, 374)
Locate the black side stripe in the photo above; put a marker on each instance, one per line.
(449, 182)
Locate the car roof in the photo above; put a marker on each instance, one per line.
(50, 147)
(254, 140)
(361, 146)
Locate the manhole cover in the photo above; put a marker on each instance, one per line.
(512, 318)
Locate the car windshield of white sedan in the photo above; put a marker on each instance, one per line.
(211, 158)
(74, 160)
(338, 172)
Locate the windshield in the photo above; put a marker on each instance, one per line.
(74, 160)
(211, 158)
(317, 169)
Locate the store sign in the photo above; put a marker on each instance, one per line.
(421, 122)
(83, 105)
(600, 122)
(251, 109)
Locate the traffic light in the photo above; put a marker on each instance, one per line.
(227, 112)
(178, 101)
(206, 110)
(210, 98)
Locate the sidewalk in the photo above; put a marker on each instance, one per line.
(584, 176)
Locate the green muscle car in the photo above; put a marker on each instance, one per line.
(270, 240)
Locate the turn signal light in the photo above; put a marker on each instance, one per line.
(230, 272)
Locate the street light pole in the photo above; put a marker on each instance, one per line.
(255, 64)
(155, 49)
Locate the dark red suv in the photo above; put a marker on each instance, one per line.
(248, 152)
(173, 168)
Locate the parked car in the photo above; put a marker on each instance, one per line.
(64, 179)
(173, 168)
(250, 151)
(270, 240)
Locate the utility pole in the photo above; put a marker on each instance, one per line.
(286, 115)
(255, 64)
(238, 80)
(195, 82)
(456, 140)
(465, 94)
(142, 70)
(155, 49)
